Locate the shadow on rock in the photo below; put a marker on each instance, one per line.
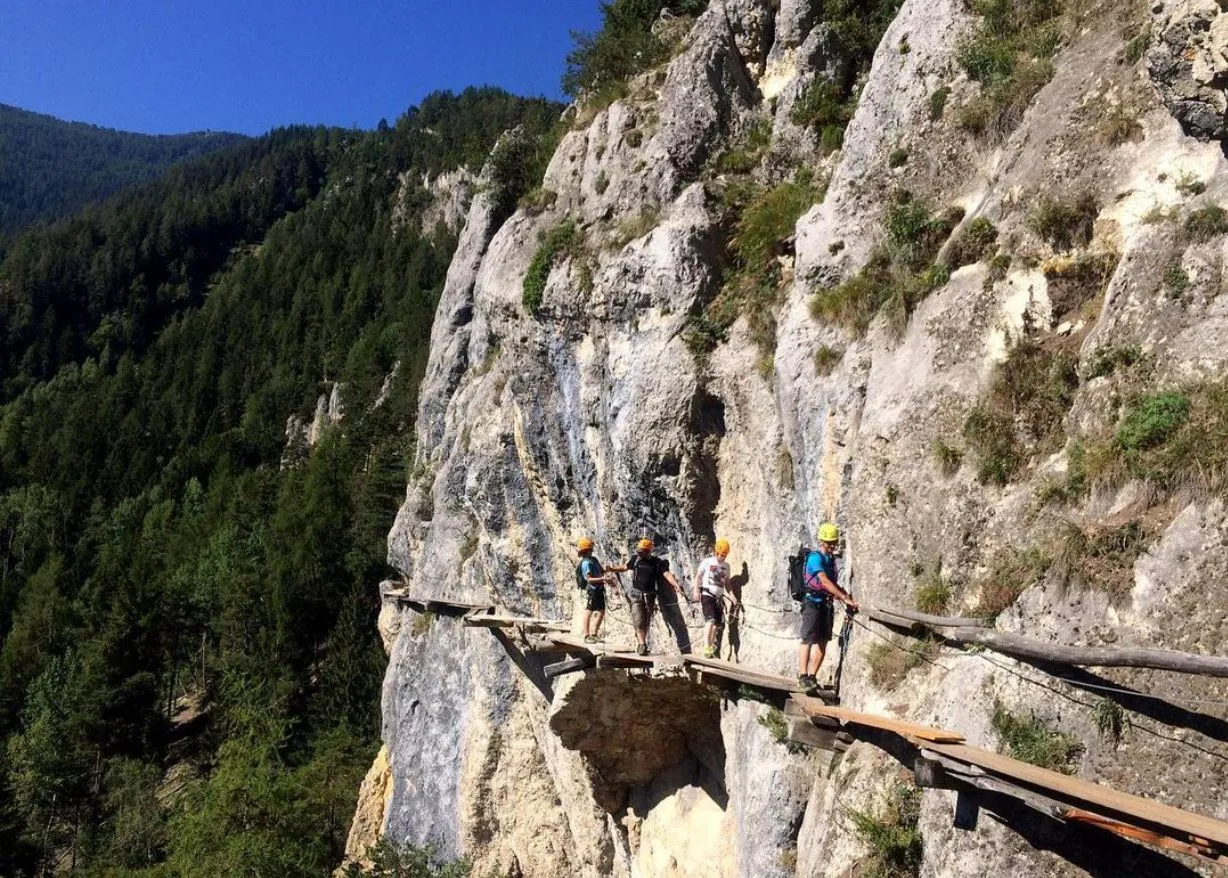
(651, 734)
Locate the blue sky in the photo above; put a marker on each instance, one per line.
(249, 65)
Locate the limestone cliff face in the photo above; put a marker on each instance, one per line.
(592, 417)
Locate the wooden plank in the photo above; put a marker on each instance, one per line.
(1146, 836)
(1092, 656)
(815, 707)
(775, 681)
(1088, 795)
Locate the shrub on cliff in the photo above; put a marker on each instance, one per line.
(892, 834)
(1010, 54)
(600, 63)
(556, 243)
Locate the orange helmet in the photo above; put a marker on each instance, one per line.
(584, 544)
(645, 545)
(722, 546)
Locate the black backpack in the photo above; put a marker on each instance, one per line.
(797, 573)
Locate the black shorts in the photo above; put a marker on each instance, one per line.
(817, 622)
(714, 608)
(596, 599)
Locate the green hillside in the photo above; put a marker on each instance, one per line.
(163, 549)
(50, 168)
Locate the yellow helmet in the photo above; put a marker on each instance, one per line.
(644, 545)
(584, 544)
(722, 546)
(829, 533)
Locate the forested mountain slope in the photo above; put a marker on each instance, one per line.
(189, 670)
(50, 168)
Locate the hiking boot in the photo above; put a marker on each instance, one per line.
(709, 652)
(588, 638)
(642, 649)
(809, 684)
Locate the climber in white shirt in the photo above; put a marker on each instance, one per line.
(709, 588)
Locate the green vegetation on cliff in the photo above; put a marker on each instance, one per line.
(189, 670)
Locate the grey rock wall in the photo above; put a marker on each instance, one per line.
(593, 418)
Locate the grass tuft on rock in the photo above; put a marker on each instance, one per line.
(1206, 223)
(973, 243)
(890, 662)
(898, 275)
(892, 834)
(1172, 439)
(827, 358)
(934, 594)
(1010, 573)
(1030, 739)
(1023, 412)
(947, 457)
(1010, 55)
(1065, 224)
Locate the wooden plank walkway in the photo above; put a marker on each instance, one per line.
(1062, 796)
(1194, 829)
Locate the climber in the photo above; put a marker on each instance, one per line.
(710, 590)
(592, 577)
(818, 611)
(649, 576)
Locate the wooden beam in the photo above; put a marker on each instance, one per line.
(907, 618)
(569, 666)
(1091, 656)
(1144, 835)
(537, 626)
(623, 662)
(802, 731)
(1085, 795)
(815, 707)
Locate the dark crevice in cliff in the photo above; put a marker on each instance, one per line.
(642, 736)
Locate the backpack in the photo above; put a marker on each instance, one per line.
(797, 573)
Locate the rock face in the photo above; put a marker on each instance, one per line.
(1189, 62)
(592, 417)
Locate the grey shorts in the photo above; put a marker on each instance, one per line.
(642, 605)
(817, 622)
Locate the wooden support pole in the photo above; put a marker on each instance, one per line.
(974, 632)
(1092, 656)
(929, 774)
(967, 809)
(569, 666)
(909, 618)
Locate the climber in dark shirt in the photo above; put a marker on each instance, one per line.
(651, 580)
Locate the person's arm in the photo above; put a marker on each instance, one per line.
(829, 586)
(699, 575)
(672, 580)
